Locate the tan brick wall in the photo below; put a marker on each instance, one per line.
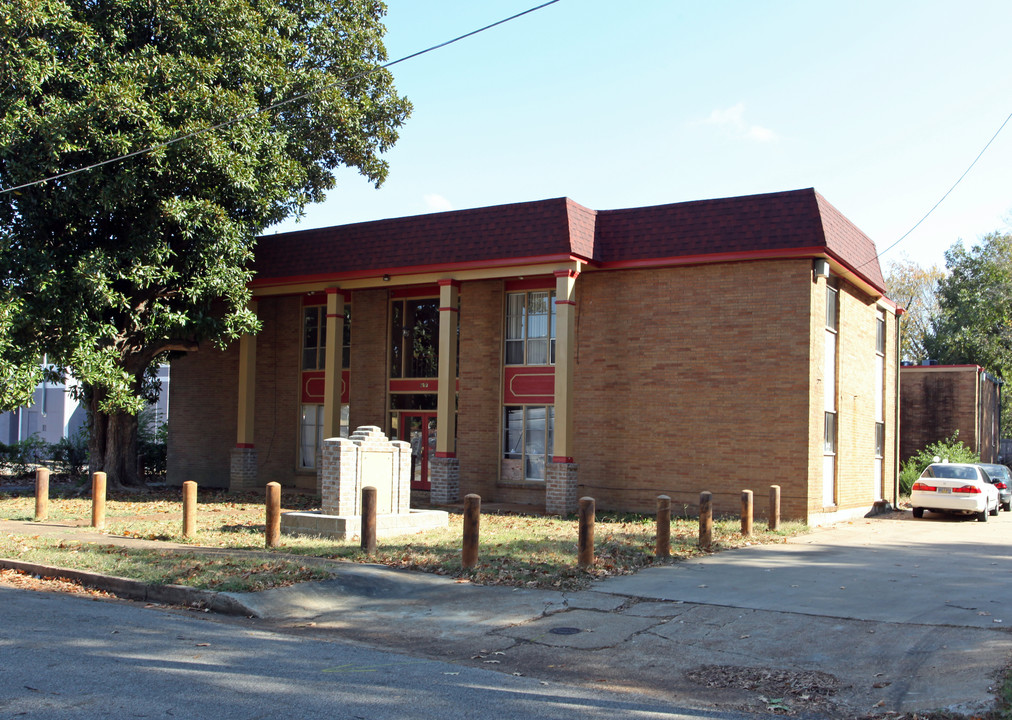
(204, 399)
(278, 394)
(367, 398)
(479, 401)
(935, 402)
(692, 379)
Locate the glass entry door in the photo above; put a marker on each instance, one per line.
(419, 429)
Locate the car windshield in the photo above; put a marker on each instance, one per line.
(951, 472)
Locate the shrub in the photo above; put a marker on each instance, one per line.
(950, 449)
(21, 458)
(71, 454)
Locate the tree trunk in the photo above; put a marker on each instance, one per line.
(113, 445)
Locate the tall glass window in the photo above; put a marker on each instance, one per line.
(831, 421)
(314, 337)
(880, 340)
(528, 437)
(414, 338)
(530, 328)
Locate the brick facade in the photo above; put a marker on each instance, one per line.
(938, 400)
(687, 377)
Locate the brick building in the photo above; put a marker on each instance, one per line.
(936, 401)
(538, 352)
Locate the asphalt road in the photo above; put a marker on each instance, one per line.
(64, 657)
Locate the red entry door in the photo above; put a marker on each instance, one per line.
(419, 429)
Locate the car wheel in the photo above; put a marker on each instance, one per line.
(982, 515)
(994, 511)
(1007, 507)
(918, 512)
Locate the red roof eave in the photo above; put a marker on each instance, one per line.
(259, 282)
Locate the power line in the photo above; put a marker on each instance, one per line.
(935, 206)
(281, 103)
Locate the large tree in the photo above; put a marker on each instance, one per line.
(915, 288)
(974, 324)
(110, 269)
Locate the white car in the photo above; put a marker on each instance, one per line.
(954, 488)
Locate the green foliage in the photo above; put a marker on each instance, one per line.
(951, 449)
(70, 455)
(108, 270)
(915, 289)
(974, 324)
(21, 458)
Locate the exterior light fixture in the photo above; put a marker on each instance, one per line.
(386, 278)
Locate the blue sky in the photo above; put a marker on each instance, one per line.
(880, 106)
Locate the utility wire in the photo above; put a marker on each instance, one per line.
(935, 206)
(269, 108)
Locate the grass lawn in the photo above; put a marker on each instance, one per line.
(518, 550)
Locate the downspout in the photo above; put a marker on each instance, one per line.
(896, 416)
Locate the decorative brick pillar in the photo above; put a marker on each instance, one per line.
(366, 458)
(561, 492)
(243, 469)
(444, 480)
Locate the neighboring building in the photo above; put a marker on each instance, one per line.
(55, 413)
(938, 400)
(538, 352)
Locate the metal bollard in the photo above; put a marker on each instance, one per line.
(472, 523)
(98, 500)
(746, 512)
(662, 549)
(272, 528)
(705, 520)
(774, 507)
(585, 555)
(189, 509)
(41, 494)
(368, 533)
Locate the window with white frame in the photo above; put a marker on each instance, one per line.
(310, 435)
(880, 343)
(530, 328)
(528, 437)
(831, 420)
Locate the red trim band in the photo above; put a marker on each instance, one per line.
(565, 302)
(244, 446)
(450, 283)
(567, 273)
(448, 309)
(562, 460)
(446, 454)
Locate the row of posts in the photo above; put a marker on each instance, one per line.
(472, 517)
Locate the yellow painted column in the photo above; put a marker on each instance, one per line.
(332, 364)
(446, 401)
(247, 386)
(565, 346)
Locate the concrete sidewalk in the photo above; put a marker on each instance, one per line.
(881, 615)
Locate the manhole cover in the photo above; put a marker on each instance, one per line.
(564, 630)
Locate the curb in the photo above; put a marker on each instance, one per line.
(219, 602)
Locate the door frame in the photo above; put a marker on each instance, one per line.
(428, 443)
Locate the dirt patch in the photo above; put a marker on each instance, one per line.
(24, 581)
(781, 691)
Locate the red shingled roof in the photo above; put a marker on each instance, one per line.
(763, 225)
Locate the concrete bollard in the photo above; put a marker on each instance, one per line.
(272, 528)
(41, 494)
(98, 500)
(189, 509)
(585, 547)
(368, 534)
(746, 512)
(705, 520)
(774, 507)
(472, 524)
(662, 548)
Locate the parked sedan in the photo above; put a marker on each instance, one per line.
(1002, 479)
(955, 488)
